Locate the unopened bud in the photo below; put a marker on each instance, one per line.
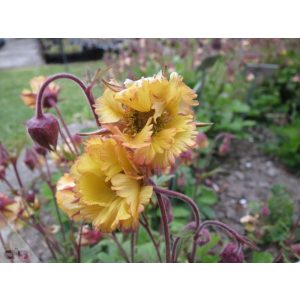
(204, 237)
(40, 150)
(201, 140)
(30, 197)
(30, 159)
(232, 253)
(44, 131)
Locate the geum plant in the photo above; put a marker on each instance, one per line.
(144, 126)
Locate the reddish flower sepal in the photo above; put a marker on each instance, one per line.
(44, 130)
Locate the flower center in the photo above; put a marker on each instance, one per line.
(135, 121)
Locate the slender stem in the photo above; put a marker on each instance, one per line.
(174, 250)
(132, 245)
(165, 224)
(57, 209)
(228, 230)
(6, 249)
(53, 103)
(121, 249)
(145, 224)
(85, 89)
(78, 248)
(66, 141)
(2, 242)
(9, 184)
(41, 230)
(185, 198)
(195, 210)
(17, 175)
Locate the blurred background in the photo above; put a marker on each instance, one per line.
(249, 89)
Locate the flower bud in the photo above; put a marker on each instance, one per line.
(76, 139)
(30, 159)
(201, 140)
(40, 150)
(204, 237)
(89, 236)
(232, 254)
(30, 197)
(44, 131)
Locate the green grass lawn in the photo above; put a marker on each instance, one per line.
(13, 113)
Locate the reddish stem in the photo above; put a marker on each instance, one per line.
(145, 224)
(85, 89)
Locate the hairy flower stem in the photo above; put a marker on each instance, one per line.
(52, 188)
(60, 116)
(146, 226)
(121, 249)
(239, 238)
(164, 218)
(196, 214)
(86, 89)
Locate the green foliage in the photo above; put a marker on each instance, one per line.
(262, 257)
(204, 252)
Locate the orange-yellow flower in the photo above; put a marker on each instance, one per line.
(51, 92)
(111, 193)
(152, 116)
(8, 210)
(66, 197)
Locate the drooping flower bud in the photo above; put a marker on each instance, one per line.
(77, 139)
(89, 236)
(225, 146)
(201, 140)
(232, 254)
(30, 159)
(4, 156)
(204, 237)
(44, 130)
(40, 150)
(30, 196)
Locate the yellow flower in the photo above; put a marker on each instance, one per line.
(152, 116)
(111, 193)
(8, 210)
(66, 197)
(29, 96)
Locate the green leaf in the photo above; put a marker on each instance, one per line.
(208, 62)
(202, 251)
(207, 196)
(207, 211)
(262, 257)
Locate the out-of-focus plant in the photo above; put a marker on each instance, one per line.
(272, 222)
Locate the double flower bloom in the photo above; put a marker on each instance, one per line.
(149, 123)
